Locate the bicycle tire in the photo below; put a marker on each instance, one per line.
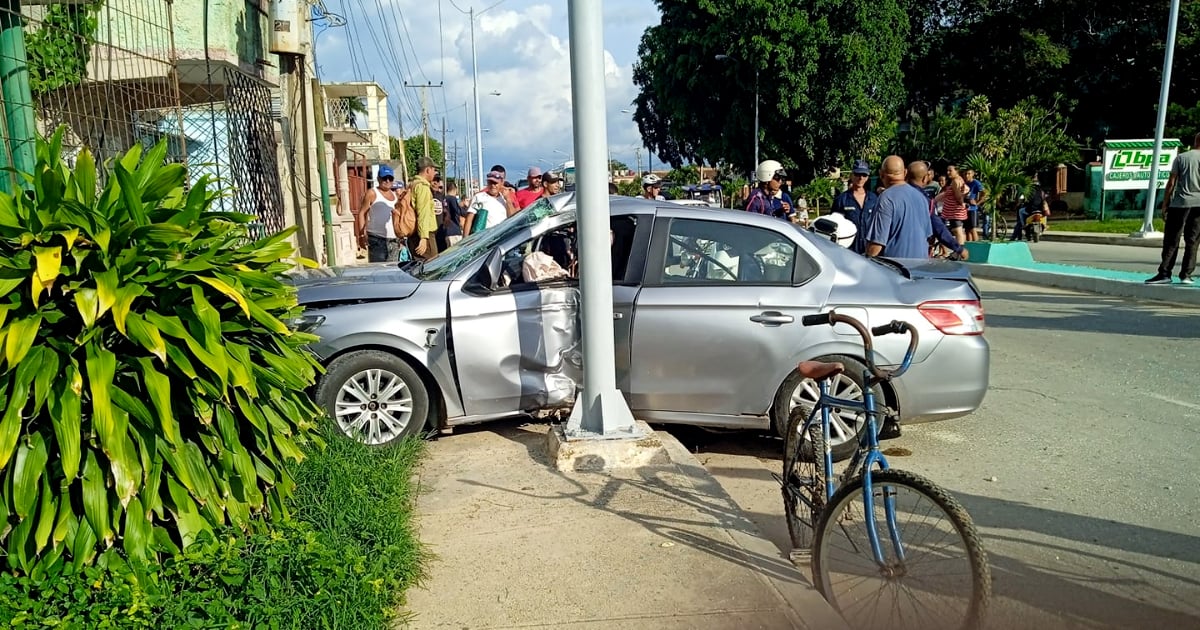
(850, 494)
(803, 477)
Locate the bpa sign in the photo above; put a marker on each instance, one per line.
(1128, 159)
(1127, 163)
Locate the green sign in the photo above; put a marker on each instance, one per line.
(1127, 163)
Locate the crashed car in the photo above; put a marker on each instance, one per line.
(707, 311)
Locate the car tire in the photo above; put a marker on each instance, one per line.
(373, 381)
(849, 384)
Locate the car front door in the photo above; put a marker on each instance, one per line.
(717, 316)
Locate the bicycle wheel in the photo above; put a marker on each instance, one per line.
(803, 479)
(942, 581)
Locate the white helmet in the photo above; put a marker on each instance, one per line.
(650, 180)
(838, 227)
(768, 169)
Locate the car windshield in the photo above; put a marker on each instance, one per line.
(479, 243)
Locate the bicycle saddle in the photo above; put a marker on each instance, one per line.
(819, 370)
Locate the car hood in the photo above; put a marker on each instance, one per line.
(378, 281)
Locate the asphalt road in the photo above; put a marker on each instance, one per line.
(1080, 468)
(1119, 257)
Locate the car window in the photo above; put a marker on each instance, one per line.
(714, 252)
(479, 243)
(555, 255)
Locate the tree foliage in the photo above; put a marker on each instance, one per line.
(151, 389)
(826, 74)
(61, 46)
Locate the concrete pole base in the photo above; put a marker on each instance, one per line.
(596, 454)
(1148, 234)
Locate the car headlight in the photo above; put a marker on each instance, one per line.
(305, 323)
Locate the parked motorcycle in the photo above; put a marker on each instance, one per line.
(1035, 225)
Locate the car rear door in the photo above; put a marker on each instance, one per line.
(718, 315)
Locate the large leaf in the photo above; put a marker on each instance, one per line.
(158, 387)
(10, 423)
(28, 467)
(87, 302)
(45, 516)
(229, 292)
(138, 531)
(101, 367)
(125, 297)
(66, 416)
(186, 514)
(49, 262)
(106, 290)
(95, 499)
(21, 335)
(146, 335)
(85, 177)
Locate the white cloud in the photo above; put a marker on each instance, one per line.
(523, 53)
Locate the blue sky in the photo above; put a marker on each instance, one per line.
(523, 53)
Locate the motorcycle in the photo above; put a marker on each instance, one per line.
(1035, 225)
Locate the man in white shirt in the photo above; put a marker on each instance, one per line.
(491, 200)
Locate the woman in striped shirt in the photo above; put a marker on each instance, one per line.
(954, 208)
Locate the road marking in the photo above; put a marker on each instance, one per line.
(1173, 401)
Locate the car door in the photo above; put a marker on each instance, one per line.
(517, 345)
(718, 314)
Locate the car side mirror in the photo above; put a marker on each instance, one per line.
(489, 273)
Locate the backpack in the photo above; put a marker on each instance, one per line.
(405, 219)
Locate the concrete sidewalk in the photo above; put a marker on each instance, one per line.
(1091, 279)
(520, 545)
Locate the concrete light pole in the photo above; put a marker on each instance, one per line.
(600, 409)
(1152, 192)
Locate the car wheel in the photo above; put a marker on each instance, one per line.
(374, 397)
(846, 427)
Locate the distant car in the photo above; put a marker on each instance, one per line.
(707, 309)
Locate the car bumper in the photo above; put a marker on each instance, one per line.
(950, 382)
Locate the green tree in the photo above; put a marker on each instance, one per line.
(687, 174)
(827, 74)
(617, 165)
(414, 148)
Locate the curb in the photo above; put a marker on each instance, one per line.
(1172, 294)
(1101, 239)
(802, 597)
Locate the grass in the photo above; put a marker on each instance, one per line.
(1110, 226)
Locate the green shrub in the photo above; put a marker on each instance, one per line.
(343, 563)
(151, 389)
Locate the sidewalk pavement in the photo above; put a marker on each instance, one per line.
(1090, 279)
(520, 545)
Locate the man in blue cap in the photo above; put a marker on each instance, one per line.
(857, 203)
(375, 218)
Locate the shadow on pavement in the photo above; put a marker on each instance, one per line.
(714, 509)
(1107, 315)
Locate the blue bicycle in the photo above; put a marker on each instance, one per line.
(889, 548)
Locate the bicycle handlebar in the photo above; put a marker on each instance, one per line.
(893, 327)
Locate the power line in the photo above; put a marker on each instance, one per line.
(395, 59)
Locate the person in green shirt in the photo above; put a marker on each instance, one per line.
(423, 242)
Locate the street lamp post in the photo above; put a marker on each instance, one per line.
(475, 87)
(1152, 193)
(724, 57)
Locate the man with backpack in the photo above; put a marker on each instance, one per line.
(423, 239)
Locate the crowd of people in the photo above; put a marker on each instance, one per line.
(397, 221)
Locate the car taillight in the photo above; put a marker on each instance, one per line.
(954, 317)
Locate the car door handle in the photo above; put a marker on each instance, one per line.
(772, 318)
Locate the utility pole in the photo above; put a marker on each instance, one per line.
(1152, 193)
(403, 145)
(445, 158)
(425, 112)
(20, 125)
(470, 162)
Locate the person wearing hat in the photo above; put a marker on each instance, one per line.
(857, 203)
(423, 241)
(551, 184)
(769, 198)
(533, 192)
(651, 186)
(490, 200)
(374, 218)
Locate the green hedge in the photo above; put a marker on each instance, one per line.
(343, 561)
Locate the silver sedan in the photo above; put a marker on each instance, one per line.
(707, 309)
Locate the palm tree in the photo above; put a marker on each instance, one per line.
(1003, 180)
(354, 105)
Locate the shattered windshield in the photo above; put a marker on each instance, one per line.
(479, 243)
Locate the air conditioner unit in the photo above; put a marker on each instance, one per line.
(288, 26)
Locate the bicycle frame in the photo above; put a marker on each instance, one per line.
(865, 457)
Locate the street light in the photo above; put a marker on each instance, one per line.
(724, 57)
(475, 85)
